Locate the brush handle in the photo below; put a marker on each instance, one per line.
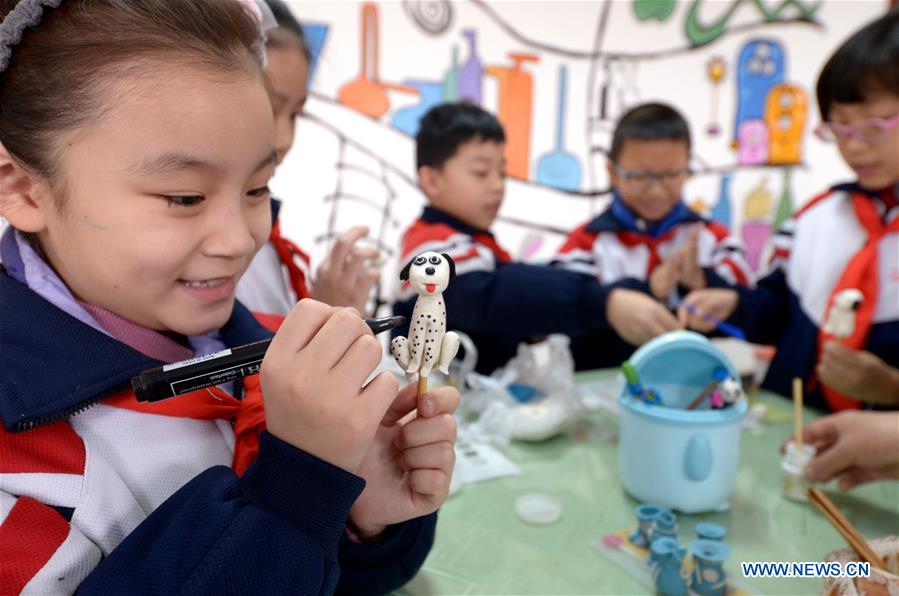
(844, 527)
(723, 327)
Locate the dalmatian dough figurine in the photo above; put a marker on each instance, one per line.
(730, 392)
(429, 345)
(841, 318)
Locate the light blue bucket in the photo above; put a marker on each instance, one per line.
(682, 459)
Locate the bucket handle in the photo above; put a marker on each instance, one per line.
(698, 458)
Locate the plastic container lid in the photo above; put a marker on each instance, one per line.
(681, 364)
(538, 509)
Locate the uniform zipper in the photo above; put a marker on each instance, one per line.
(33, 423)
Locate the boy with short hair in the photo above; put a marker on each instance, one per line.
(497, 302)
(648, 245)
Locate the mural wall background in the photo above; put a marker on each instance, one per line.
(558, 74)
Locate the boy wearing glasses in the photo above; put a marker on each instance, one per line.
(495, 301)
(846, 238)
(648, 247)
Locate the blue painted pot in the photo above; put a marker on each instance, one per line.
(681, 459)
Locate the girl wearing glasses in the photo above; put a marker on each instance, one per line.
(846, 238)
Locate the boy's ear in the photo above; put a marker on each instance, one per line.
(613, 175)
(452, 265)
(404, 274)
(429, 178)
(18, 191)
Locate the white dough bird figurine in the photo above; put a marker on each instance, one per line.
(841, 318)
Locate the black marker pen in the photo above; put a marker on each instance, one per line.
(228, 365)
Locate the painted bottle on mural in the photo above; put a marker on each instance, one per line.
(451, 79)
(721, 210)
(756, 230)
(472, 71)
(516, 89)
(785, 114)
(559, 168)
(408, 119)
(760, 67)
(785, 206)
(315, 35)
(367, 93)
(363, 93)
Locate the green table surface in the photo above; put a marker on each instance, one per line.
(483, 548)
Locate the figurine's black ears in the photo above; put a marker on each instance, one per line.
(404, 274)
(452, 265)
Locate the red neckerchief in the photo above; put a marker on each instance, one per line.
(632, 239)
(247, 414)
(288, 252)
(860, 273)
(490, 242)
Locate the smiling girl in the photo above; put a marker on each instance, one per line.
(136, 144)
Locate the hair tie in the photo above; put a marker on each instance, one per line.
(27, 13)
(265, 20)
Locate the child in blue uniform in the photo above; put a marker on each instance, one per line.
(133, 213)
(846, 238)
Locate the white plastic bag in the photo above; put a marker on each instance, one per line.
(533, 398)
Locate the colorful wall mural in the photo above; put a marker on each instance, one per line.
(558, 75)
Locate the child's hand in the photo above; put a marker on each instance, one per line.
(636, 317)
(717, 302)
(692, 275)
(856, 446)
(859, 374)
(344, 278)
(682, 268)
(666, 276)
(408, 468)
(312, 378)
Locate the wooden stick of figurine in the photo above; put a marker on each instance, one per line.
(428, 344)
(797, 411)
(706, 393)
(718, 376)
